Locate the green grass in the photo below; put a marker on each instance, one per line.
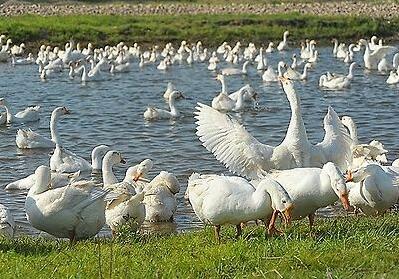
(351, 247)
(211, 29)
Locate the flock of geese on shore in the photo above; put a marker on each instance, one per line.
(291, 180)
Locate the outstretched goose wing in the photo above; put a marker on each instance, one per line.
(231, 144)
(382, 51)
(336, 144)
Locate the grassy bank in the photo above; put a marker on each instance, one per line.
(211, 29)
(339, 248)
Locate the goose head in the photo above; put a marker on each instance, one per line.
(347, 121)
(271, 44)
(362, 173)
(61, 111)
(139, 171)
(322, 80)
(43, 180)
(337, 181)
(286, 33)
(288, 87)
(3, 102)
(176, 95)
(97, 155)
(281, 200)
(114, 157)
(168, 180)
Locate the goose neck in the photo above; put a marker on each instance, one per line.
(108, 174)
(172, 106)
(55, 137)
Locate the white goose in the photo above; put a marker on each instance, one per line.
(223, 102)
(57, 180)
(249, 94)
(372, 58)
(160, 197)
(295, 75)
(283, 45)
(393, 77)
(27, 139)
(64, 160)
(75, 211)
(335, 81)
(313, 188)
(136, 175)
(169, 89)
(30, 114)
(235, 71)
(374, 190)
(271, 76)
(121, 68)
(111, 159)
(157, 114)
(7, 223)
(384, 66)
(22, 61)
(243, 154)
(362, 153)
(220, 200)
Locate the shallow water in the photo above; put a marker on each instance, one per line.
(111, 112)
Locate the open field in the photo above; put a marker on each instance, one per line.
(211, 29)
(351, 247)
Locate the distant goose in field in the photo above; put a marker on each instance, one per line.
(283, 45)
(75, 211)
(7, 223)
(29, 114)
(157, 114)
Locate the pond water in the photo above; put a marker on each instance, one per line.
(111, 112)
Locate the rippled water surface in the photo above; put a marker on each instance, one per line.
(111, 112)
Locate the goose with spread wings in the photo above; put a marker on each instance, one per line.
(244, 155)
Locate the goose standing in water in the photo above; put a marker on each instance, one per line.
(246, 156)
(30, 114)
(157, 114)
(27, 139)
(75, 211)
(219, 200)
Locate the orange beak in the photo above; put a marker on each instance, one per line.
(348, 176)
(137, 176)
(345, 201)
(287, 214)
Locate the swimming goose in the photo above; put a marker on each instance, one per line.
(235, 71)
(313, 188)
(246, 156)
(57, 180)
(270, 76)
(249, 94)
(160, 197)
(22, 61)
(349, 54)
(374, 190)
(219, 200)
(120, 68)
(27, 139)
(336, 81)
(362, 153)
(75, 211)
(7, 223)
(64, 160)
(223, 102)
(372, 58)
(270, 48)
(18, 50)
(283, 45)
(29, 114)
(295, 75)
(157, 114)
(4, 52)
(393, 77)
(384, 66)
